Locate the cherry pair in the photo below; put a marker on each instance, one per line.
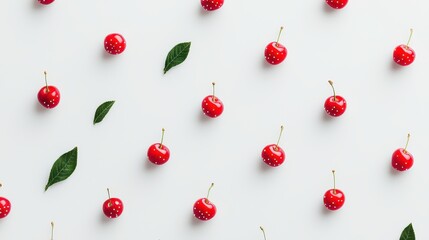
(211, 106)
(274, 156)
(49, 96)
(275, 53)
(203, 208)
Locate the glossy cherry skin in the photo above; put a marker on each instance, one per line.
(211, 5)
(273, 155)
(334, 199)
(46, 2)
(275, 53)
(404, 55)
(5, 207)
(204, 209)
(158, 154)
(402, 160)
(337, 4)
(113, 207)
(49, 98)
(212, 107)
(115, 43)
(335, 107)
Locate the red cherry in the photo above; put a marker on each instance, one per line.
(49, 96)
(402, 159)
(337, 4)
(334, 198)
(113, 207)
(272, 154)
(46, 2)
(157, 153)
(403, 54)
(275, 52)
(204, 209)
(335, 105)
(211, 5)
(212, 106)
(115, 43)
(5, 206)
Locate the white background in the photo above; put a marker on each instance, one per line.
(352, 46)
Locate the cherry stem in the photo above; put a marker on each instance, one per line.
(263, 231)
(335, 189)
(406, 145)
(162, 138)
(333, 89)
(280, 135)
(213, 98)
(278, 37)
(52, 230)
(46, 81)
(210, 188)
(409, 38)
(108, 192)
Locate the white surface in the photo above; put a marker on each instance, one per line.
(352, 46)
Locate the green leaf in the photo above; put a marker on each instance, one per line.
(63, 167)
(408, 233)
(177, 55)
(102, 110)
